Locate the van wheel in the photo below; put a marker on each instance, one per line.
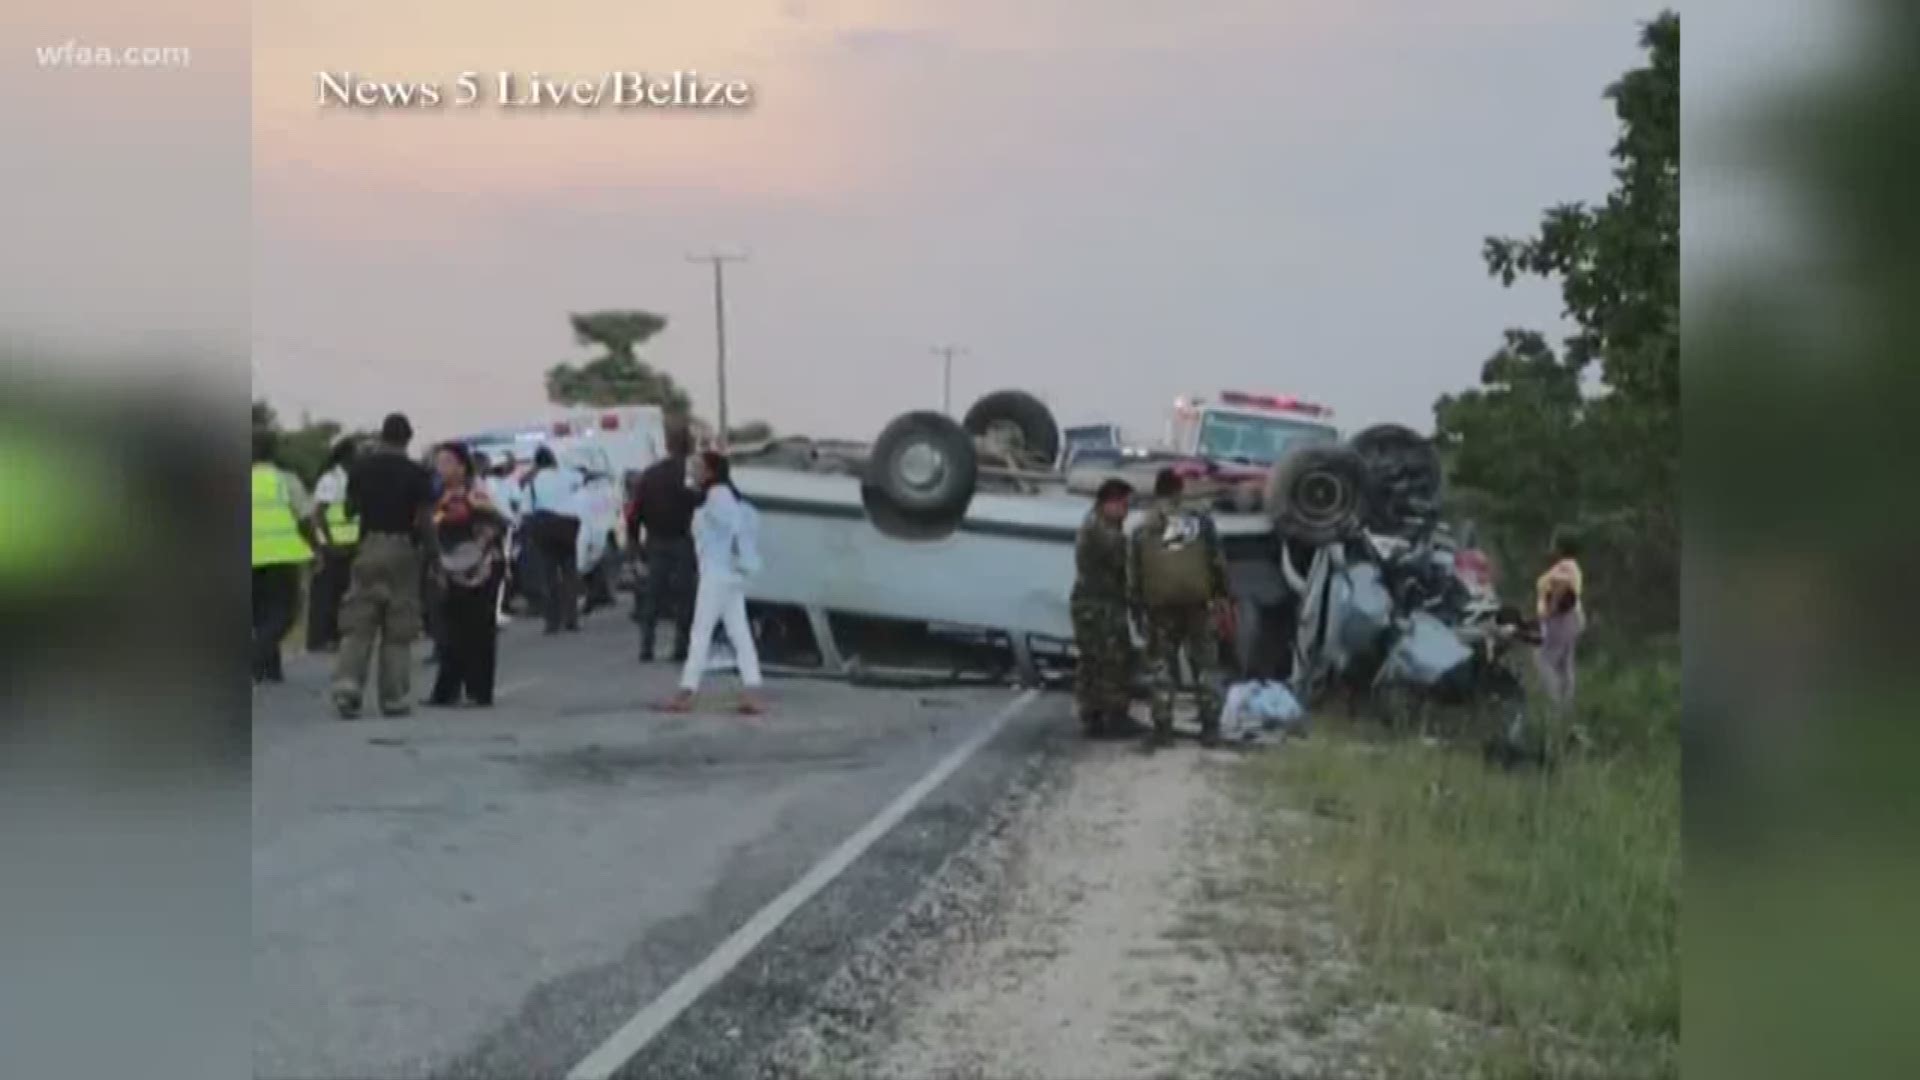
(920, 474)
(1403, 467)
(1318, 495)
(1017, 422)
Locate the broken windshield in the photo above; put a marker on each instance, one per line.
(1259, 440)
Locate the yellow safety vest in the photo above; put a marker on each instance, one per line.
(276, 532)
(343, 529)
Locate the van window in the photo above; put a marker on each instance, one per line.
(1261, 440)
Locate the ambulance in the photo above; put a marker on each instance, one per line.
(603, 448)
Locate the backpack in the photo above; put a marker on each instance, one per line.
(1176, 565)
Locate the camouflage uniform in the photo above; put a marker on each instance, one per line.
(1104, 679)
(1185, 629)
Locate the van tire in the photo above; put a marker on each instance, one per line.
(1401, 465)
(922, 469)
(1021, 413)
(1318, 494)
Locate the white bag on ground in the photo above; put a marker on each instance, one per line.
(1256, 709)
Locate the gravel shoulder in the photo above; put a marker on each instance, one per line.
(1092, 929)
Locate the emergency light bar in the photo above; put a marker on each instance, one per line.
(1273, 402)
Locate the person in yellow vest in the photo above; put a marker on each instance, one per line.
(339, 534)
(283, 543)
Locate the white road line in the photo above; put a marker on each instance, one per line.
(649, 1022)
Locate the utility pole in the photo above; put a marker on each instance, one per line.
(946, 353)
(719, 261)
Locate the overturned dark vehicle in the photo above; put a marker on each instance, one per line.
(947, 542)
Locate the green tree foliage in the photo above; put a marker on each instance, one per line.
(303, 449)
(617, 376)
(1513, 472)
(1543, 445)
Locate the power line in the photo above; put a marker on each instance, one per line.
(719, 262)
(946, 353)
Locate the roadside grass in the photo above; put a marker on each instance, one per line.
(1630, 703)
(1516, 924)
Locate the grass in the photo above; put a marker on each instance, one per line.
(1538, 913)
(1629, 701)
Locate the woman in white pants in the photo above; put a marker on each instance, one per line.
(726, 537)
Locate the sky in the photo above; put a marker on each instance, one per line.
(1107, 202)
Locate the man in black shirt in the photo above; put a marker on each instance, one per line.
(662, 531)
(393, 497)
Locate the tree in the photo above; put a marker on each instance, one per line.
(1530, 446)
(617, 377)
(302, 450)
(1510, 469)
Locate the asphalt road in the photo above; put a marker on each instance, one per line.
(495, 893)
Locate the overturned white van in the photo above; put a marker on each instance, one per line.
(965, 531)
(955, 525)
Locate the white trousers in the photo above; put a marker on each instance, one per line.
(720, 600)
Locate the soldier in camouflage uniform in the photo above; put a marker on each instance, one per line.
(1104, 679)
(1178, 582)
